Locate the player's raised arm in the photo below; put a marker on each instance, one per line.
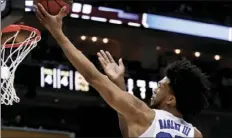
(122, 102)
(115, 73)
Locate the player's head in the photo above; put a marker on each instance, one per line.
(184, 88)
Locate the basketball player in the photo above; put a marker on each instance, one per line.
(183, 70)
(182, 92)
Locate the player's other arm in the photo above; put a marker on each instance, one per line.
(120, 82)
(115, 72)
(124, 103)
(122, 121)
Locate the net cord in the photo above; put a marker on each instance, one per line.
(7, 85)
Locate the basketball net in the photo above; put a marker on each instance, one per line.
(11, 57)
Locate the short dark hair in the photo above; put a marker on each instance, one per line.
(190, 86)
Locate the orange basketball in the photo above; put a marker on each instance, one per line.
(54, 6)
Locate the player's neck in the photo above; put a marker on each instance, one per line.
(174, 112)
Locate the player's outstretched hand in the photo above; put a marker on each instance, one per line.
(113, 70)
(52, 23)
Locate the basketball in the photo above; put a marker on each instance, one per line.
(53, 6)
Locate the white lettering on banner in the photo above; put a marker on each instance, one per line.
(58, 78)
(142, 85)
(80, 83)
(47, 76)
(130, 85)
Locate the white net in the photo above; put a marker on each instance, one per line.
(11, 56)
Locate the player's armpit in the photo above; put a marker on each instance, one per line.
(123, 125)
(197, 134)
(126, 104)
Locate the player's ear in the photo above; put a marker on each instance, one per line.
(171, 100)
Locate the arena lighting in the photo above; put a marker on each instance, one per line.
(134, 24)
(105, 40)
(87, 9)
(177, 51)
(158, 48)
(99, 19)
(144, 20)
(73, 15)
(27, 3)
(86, 17)
(115, 21)
(197, 54)
(83, 37)
(76, 7)
(94, 39)
(217, 57)
(230, 34)
(151, 21)
(181, 26)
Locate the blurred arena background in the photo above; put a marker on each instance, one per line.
(56, 101)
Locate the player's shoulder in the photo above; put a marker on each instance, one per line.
(162, 112)
(197, 133)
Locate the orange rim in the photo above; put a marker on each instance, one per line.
(15, 28)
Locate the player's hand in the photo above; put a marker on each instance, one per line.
(113, 70)
(52, 23)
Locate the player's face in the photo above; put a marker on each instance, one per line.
(160, 94)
